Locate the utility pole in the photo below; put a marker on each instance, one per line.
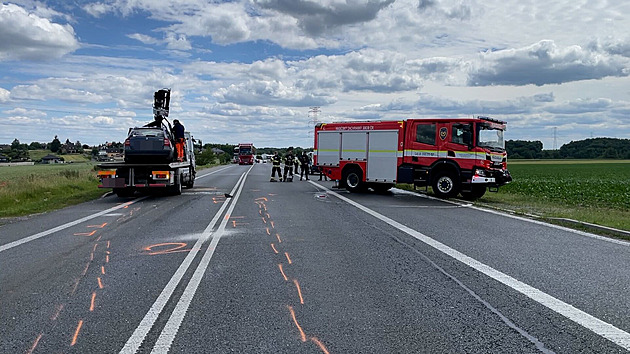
(313, 121)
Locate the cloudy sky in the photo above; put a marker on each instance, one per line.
(249, 70)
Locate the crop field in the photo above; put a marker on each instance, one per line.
(583, 184)
(596, 191)
(33, 189)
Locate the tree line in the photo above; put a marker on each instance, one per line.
(595, 148)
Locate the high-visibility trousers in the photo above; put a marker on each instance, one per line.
(179, 145)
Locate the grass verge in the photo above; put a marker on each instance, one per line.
(27, 190)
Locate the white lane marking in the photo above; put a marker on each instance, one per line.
(171, 328)
(554, 226)
(211, 173)
(65, 226)
(578, 316)
(135, 341)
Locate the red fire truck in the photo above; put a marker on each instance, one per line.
(452, 155)
(246, 154)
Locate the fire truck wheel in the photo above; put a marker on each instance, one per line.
(476, 193)
(445, 185)
(352, 179)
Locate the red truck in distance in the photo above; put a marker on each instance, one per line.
(452, 155)
(246, 154)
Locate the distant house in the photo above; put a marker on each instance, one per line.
(5, 147)
(217, 151)
(48, 159)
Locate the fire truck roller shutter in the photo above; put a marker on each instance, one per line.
(328, 144)
(354, 146)
(382, 156)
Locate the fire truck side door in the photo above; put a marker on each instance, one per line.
(421, 147)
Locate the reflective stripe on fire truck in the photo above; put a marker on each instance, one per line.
(434, 153)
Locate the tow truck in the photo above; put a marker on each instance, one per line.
(126, 178)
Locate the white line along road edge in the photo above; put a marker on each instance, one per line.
(171, 328)
(65, 226)
(135, 341)
(578, 316)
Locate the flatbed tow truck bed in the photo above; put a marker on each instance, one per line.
(127, 178)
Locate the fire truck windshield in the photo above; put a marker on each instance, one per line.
(491, 138)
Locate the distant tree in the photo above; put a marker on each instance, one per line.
(205, 157)
(78, 147)
(55, 145)
(597, 148)
(522, 149)
(36, 146)
(18, 151)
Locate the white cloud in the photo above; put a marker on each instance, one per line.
(4, 95)
(27, 36)
(545, 63)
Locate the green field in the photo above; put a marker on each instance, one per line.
(33, 189)
(594, 191)
(36, 155)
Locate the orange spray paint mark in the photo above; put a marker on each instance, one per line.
(233, 223)
(103, 270)
(94, 248)
(92, 302)
(274, 248)
(100, 282)
(302, 335)
(98, 238)
(288, 258)
(264, 220)
(98, 226)
(261, 198)
(92, 256)
(85, 233)
(320, 345)
(107, 252)
(297, 285)
(76, 333)
(107, 259)
(272, 224)
(107, 244)
(278, 237)
(167, 247)
(57, 312)
(30, 351)
(282, 271)
(268, 232)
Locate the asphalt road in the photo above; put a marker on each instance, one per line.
(303, 268)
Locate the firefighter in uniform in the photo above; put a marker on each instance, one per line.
(275, 161)
(304, 162)
(289, 160)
